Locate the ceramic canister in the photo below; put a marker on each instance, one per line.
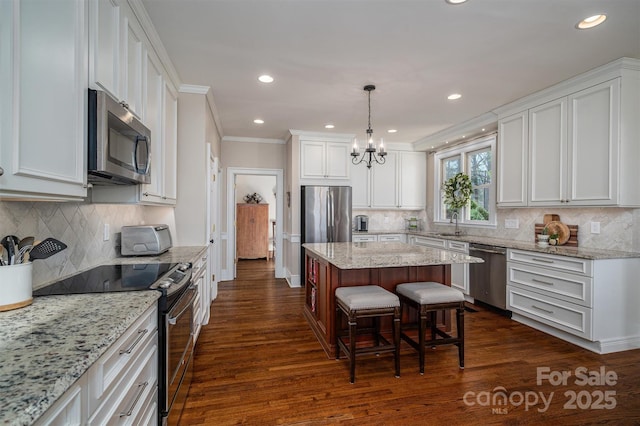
(15, 286)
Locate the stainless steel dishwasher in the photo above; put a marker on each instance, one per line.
(488, 280)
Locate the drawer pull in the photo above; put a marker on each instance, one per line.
(541, 309)
(135, 401)
(141, 334)
(537, 259)
(535, 280)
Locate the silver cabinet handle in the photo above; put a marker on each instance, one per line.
(141, 334)
(1, 171)
(537, 259)
(135, 401)
(535, 280)
(146, 194)
(541, 309)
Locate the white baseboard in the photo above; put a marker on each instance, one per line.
(600, 347)
(293, 280)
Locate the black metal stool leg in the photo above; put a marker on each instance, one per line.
(352, 349)
(460, 326)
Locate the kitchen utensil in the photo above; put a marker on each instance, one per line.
(10, 245)
(22, 256)
(46, 248)
(3, 262)
(26, 241)
(556, 227)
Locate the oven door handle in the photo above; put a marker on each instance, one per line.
(174, 320)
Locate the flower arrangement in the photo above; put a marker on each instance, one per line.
(457, 191)
(254, 198)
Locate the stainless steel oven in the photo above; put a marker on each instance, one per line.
(178, 356)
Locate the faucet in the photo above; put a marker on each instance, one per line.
(455, 215)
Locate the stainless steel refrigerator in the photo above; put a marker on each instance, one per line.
(326, 216)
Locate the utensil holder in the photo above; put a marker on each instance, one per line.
(15, 286)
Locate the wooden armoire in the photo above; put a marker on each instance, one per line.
(252, 231)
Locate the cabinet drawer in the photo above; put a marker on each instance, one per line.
(569, 287)
(560, 263)
(68, 410)
(458, 246)
(109, 368)
(430, 242)
(199, 266)
(364, 238)
(390, 238)
(126, 404)
(569, 317)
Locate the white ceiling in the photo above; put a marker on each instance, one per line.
(417, 52)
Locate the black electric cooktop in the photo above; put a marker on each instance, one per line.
(109, 279)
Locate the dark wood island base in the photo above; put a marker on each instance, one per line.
(323, 278)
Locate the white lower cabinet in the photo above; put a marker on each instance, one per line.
(201, 306)
(121, 387)
(459, 271)
(364, 238)
(588, 302)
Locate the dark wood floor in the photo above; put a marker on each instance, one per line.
(258, 363)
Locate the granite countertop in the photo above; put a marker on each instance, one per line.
(384, 255)
(579, 252)
(46, 346)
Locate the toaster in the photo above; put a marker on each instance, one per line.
(145, 240)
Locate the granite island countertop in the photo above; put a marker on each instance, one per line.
(384, 255)
(579, 252)
(46, 346)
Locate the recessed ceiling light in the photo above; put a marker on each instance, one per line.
(591, 21)
(455, 1)
(454, 96)
(258, 121)
(265, 78)
(482, 129)
(392, 131)
(329, 126)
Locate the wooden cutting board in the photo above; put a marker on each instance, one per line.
(573, 234)
(550, 218)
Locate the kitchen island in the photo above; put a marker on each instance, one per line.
(333, 265)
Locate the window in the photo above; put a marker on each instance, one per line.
(475, 159)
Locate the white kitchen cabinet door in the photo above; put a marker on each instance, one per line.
(361, 186)
(104, 47)
(312, 159)
(44, 101)
(134, 49)
(412, 180)
(593, 145)
(513, 160)
(338, 159)
(548, 153)
(384, 178)
(154, 89)
(170, 145)
(324, 160)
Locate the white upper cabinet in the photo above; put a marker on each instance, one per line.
(398, 183)
(117, 53)
(548, 153)
(384, 182)
(513, 159)
(324, 160)
(43, 149)
(412, 184)
(593, 135)
(578, 148)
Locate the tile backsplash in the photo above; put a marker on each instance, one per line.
(79, 225)
(618, 226)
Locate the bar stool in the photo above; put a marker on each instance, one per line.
(369, 301)
(428, 298)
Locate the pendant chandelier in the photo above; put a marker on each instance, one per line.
(371, 153)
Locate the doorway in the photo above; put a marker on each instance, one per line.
(242, 182)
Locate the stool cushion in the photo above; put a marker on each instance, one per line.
(427, 293)
(367, 297)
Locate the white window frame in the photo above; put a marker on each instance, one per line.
(439, 213)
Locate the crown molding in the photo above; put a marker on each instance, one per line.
(252, 140)
(470, 129)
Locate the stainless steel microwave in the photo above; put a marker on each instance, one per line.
(119, 144)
